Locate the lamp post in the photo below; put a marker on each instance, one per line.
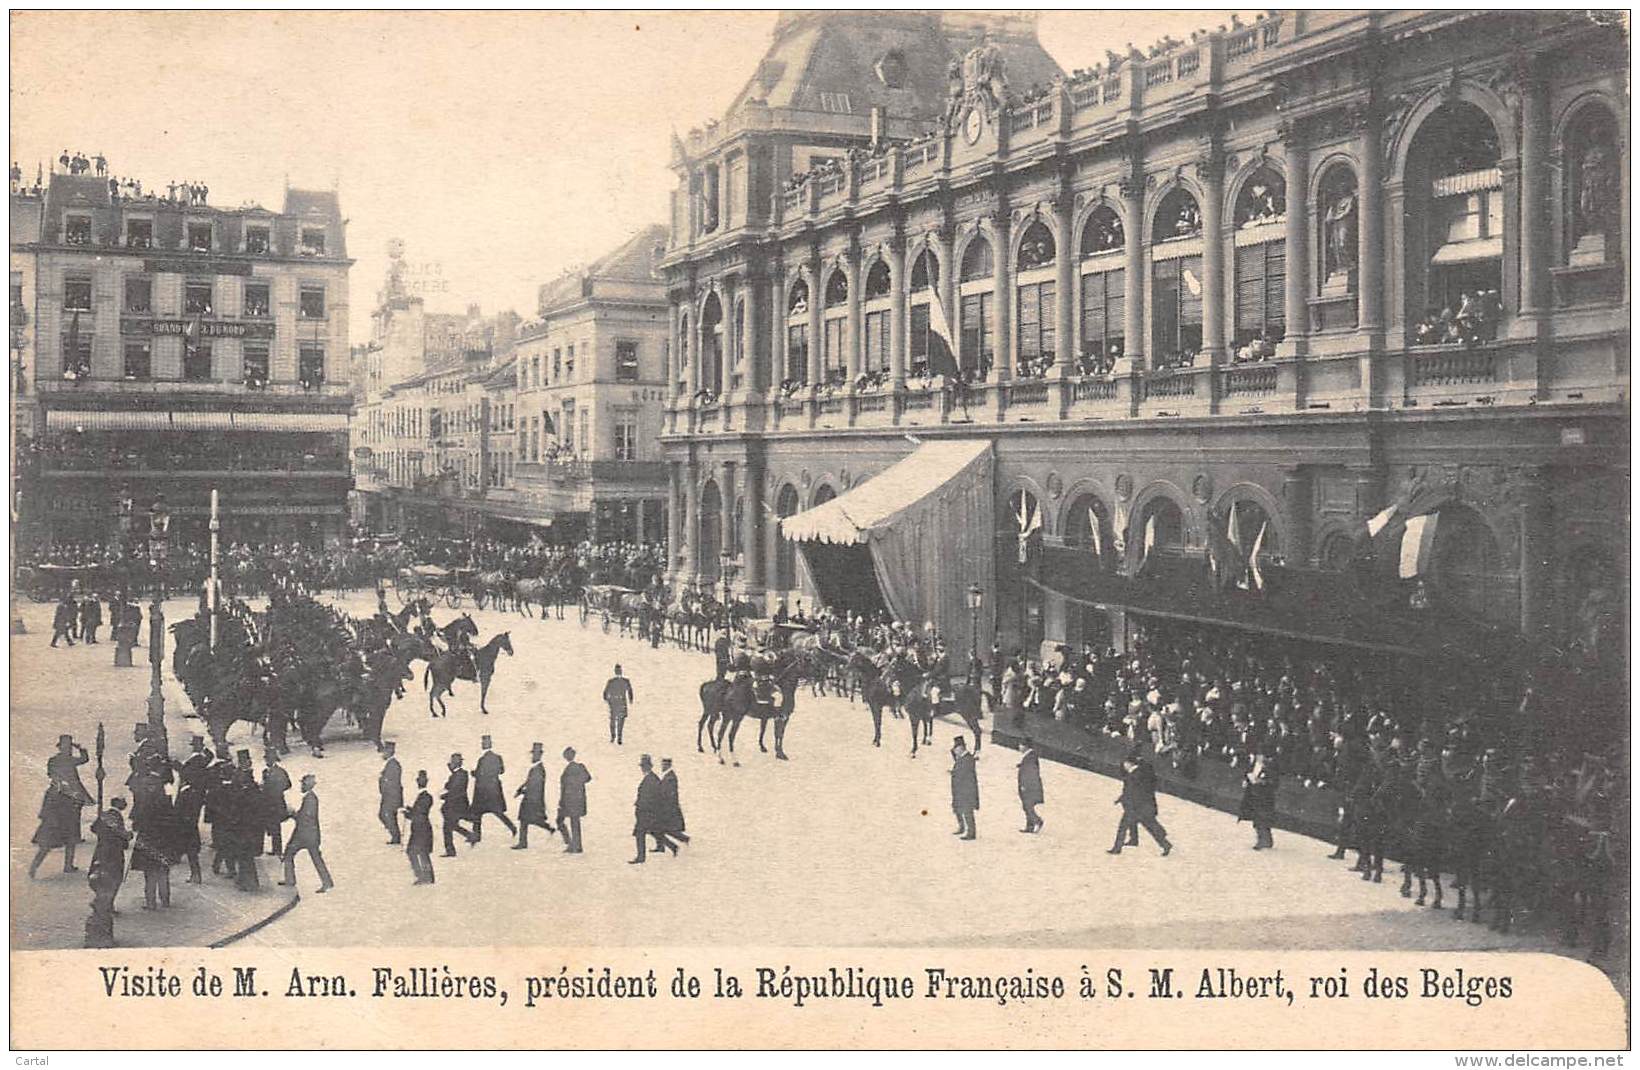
(976, 598)
(159, 530)
(728, 560)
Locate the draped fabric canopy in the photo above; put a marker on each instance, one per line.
(926, 526)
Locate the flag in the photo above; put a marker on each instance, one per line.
(1232, 529)
(1119, 530)
(942, 359)
(72, 364)
(1224, 558)
(1417, 545)
(1029, 518)
(1252, 559)
(1093, 528)
(1376, 524)
(1150, 541)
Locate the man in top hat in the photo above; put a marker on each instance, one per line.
(964, 788)
(1030, 784)
(65, 797)
(532, 799)
(194, 780)
(572, 801)
(64, 620)
(618, 696)
(275, 782)
(390, 789)
(672, 824)
(305, 837)
(1138, 803)
(454, 807)
(648, 813)
(488, 796)
(91, 618)
(419, 847)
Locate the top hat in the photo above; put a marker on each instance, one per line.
(484, 741)
(65, 738)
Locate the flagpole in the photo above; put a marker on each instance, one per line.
(215, 527)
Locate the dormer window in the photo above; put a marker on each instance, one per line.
(139, 233)
(199, 237)
(256, 240)
(77, 230)
(313, 241)
(891, 69)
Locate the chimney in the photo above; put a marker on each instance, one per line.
(879, 124)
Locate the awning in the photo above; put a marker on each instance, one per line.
(537, 521)
(186, 420)
(106, 420)
(859, 514)
(1468, 252)
(290, 421)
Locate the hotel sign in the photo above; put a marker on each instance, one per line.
(207, 328)
(194, 267)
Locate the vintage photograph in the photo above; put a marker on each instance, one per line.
(932, 482)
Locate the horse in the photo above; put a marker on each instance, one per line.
(531, 590)
(728, 702)
(416, 607)
(444, 669)
(496, 587)
(962, 700)
(461, 625)
(876, 686)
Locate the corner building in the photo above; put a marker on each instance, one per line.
(1263, 283)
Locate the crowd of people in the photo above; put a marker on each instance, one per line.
(1474, 320)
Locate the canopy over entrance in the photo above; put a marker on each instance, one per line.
(909, 540)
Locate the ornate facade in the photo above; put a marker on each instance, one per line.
(1270, 274)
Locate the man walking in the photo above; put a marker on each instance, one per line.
(305, 837)
(964, 788)
(91, 618)
(647, 812)
(390, 789)
(618, 696)
(420, 845)
(1138, 803)
(454, 808)
(671, 810)
(64, 620)
(572, 801)
(532, 799)
(488, 796)
(193, 781)
(275, 782)
(1030, 784)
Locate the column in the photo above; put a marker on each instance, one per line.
(751, 532)
(689, 520)
(1298, 247)
(671, 361)
(730, 349)
(1211, 173)
(692, 347)
(1133, 271)
(776, 370)
(1066, 299)
(851, 346)
(897, 332)
(726, 499)
(1534, 197)
(1536, 554)
(755, 357)
(817, 323)
(948, 283)
(1003, 288)
(1370, 255)
(638, 510)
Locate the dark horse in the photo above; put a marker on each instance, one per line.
(725, 703)
(962, 700)
(446, 668)
(876, 686)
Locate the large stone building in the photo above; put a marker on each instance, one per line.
(1243, 291)
(170, 346)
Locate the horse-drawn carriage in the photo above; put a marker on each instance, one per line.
(49, 583)
(610, 602)
(432, 582)
(774, 635)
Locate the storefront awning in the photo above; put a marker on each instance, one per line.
(193, 420)
(859, 514)
(1468, 252)
(106, 420)
(536, 521)
(290, 421)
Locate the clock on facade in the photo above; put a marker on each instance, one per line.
(973, 126)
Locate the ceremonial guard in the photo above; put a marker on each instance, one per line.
(454, 808)
(65, 797)
(572, 801)
(390, 790)
(419, 845)
(488, 795)
(532, 799)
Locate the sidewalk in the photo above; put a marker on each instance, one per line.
(71, 689)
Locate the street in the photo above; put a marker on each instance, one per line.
(781, 851)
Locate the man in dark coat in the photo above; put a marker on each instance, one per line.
(1030, 784)
(488, 795)
(91, 618)
(107, 872)
(194, 780)
(65, 797)
(618, 696)
(390, 788)
(1258, 800)
(721, 655)
(305, 837)
(275, 782)
(671, 810)
(454, 808)
(572, 801)
(419, 845)
(64, 621)
(649, 815)
(1138, 803)
(964, 788)
(246, 817)
(532, 799)
(218, 807)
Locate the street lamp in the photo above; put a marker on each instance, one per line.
(159, 530)
(976, 598)
(728, 560)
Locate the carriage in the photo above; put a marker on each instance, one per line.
(773, 635)
(49, 583)
(607, 600)
(430, 581)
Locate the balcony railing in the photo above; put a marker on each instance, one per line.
(1249, 380)
(1170, 384)
(1453, 367)
(1028, 393)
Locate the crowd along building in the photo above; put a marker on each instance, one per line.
(164, 345)
(1021, 352)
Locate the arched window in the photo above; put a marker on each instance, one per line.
(879, 285)
(977, 316)
(823, 494)
(711, 531)
(1593, 201)
(1468, 571)
(1104, 281)
(797, 335)
(711, 345)
(835, 354)
(1034, 303)
(737, 352)
(785, 552)
(1261, 266)
(1247, 525)
(925, 275)
(1160, 530)
(1088, 527)
(1176, 281)
(1455, 228)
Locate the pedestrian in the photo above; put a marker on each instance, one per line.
(218, 804)
(618, 696)
(246, 824)
(647, 812)
(91, 618)
(1030, 784)
(454, 807)
(154, 848)
(193, 778)
(964, 788)
(572, 801)
(419, 846)
(1258, 800)
(672, 824)
(275, 782)
(390, 788)
(305, 837)
(107, 872)
(488, 795)
(64, 621)
(1138, 803)
(65, 797)
(532, 799)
